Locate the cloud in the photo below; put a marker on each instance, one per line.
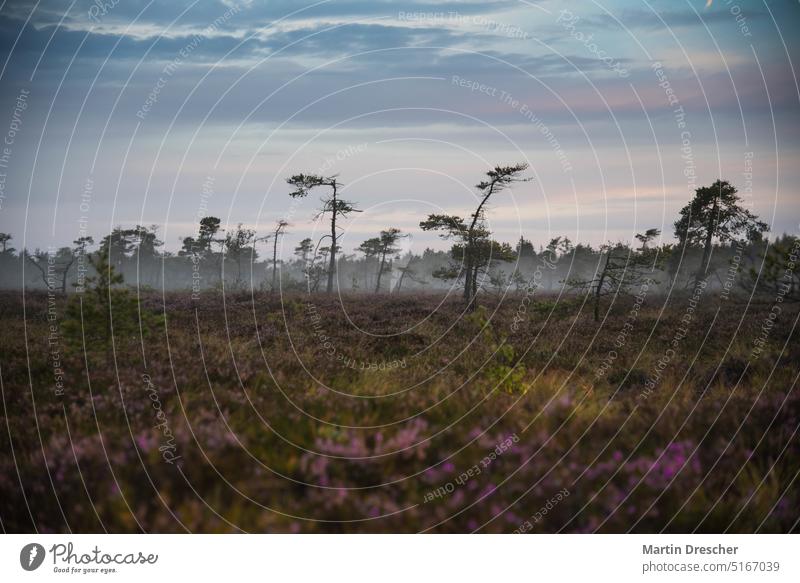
(650, 20)
(357, 72)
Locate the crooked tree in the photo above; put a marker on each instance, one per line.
(472, 237)
(277, 232)
(620, 270)
(59, 263)
(331, 204)
(410, 273)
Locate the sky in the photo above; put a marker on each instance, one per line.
(124, 112)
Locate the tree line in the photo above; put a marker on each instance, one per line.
(718, 241)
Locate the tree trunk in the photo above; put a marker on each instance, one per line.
(469, 286)
(380, 273)
(332, 264)
(597, 300)
(274, 261)
(469, 268)
(468, 281)
(44, 275)
(599, 290)
(65, 276)
(400, 281)
(702, 270)
(221, 261)
(403, 273)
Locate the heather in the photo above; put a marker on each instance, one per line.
(295, 412)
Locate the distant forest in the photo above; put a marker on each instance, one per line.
(718, 241)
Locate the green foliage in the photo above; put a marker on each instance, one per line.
(304, 249)
(331, 204)
(474, 251)
(106, 312)
(5, 238)
(207, 235)
(503, 371)
(370, 248)
(450, 226)
(777, 272)
(716, 212)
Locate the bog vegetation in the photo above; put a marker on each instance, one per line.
(639, 386)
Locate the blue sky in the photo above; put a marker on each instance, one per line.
(169, 110)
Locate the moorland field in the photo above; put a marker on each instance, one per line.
(401, 413)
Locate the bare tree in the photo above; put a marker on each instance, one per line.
(280, 229)
(408, 272)
(39, 259)
(57, 266)
(620, 269)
